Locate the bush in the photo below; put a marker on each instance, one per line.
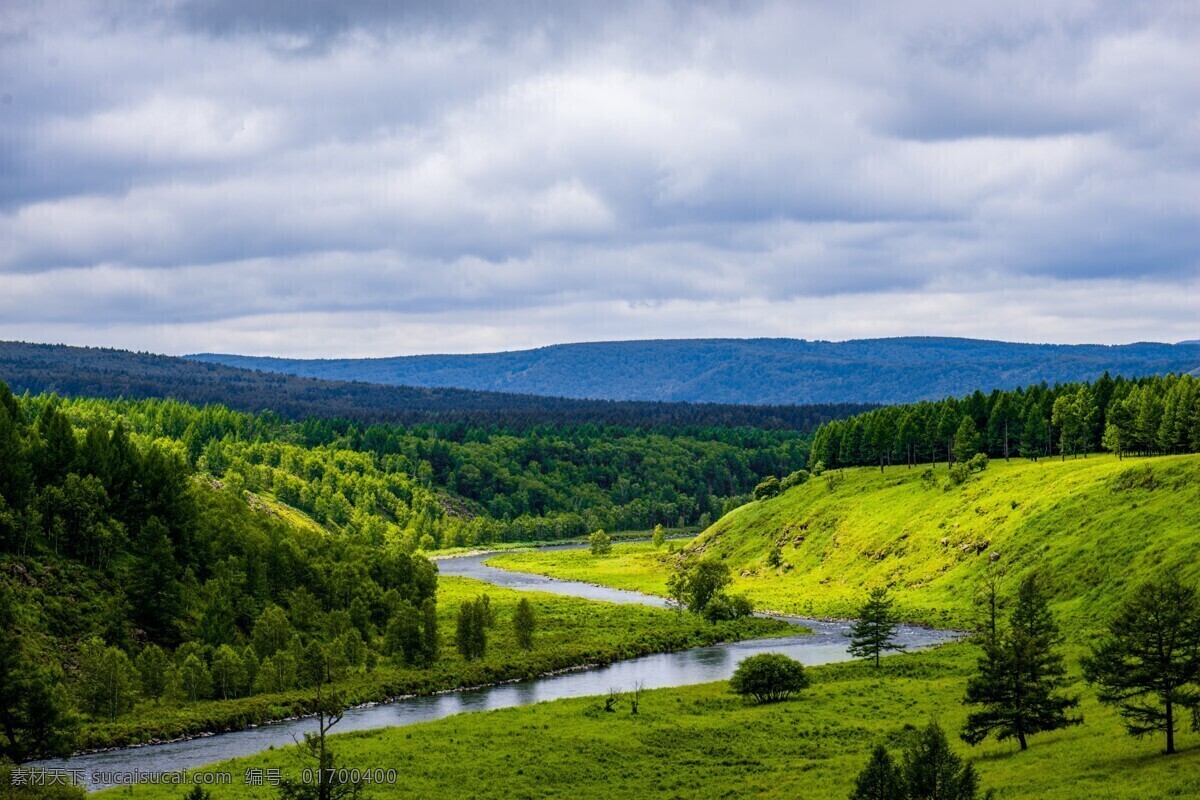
(959, 474)
(768, 677)
(978, 463)
(797, 478)
(767, 489)
(817, 469)
(725, 606)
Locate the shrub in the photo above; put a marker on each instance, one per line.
(817, 469)
(959, 474)
(600, 543)
(768, 677)
(724, 606)
(978, 463)
(797, 478)
(767, 489)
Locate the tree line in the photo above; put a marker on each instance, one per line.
(1141, 416)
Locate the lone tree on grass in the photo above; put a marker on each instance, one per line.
(1021, 674)
(600, 543)
(1148, 664)
(768, 677)
(524, 624)
(875, 630)
(659, 538)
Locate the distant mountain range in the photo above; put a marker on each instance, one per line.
(751, 371)
(101, 372)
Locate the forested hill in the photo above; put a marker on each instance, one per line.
(771, 371)
(98, 372)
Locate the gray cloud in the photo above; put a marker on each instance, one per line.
(586, 170)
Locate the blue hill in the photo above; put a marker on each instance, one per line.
(757, 371)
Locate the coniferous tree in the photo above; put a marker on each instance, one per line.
(880, 779)
(966, 440)
(1148, 663)
(1033, 433)
(1020, 675)
(932, 771)
(875, 630)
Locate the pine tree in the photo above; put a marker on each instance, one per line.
(875, 629)
(932, 771)
(880, 779)
(1020, 678)
(1033, 433)
(1148, 664)
(966, 440)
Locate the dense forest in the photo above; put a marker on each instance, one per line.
(1138, 416)
(111, 546)
(100, 372)
(442, 485)
(781, 371)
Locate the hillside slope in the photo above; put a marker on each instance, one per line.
(1094, 527)
(771, 371)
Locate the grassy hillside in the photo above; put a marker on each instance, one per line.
(1094, 526)
(701, 741)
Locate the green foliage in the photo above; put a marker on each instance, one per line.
(1148, 663)
(880, 779)
(932, 771)
(471, 628)
(108, 681)
(875, 629)
(768, 677)
(1143, 415)
(767, 489)
(524, 624)
(659, 537)
(966, 440)
(600, 543)
(1021, 675)
(696, 582)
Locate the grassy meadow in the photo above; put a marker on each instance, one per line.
(701, 741)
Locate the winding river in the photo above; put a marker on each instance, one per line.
(825, 645)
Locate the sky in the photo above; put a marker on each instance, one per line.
(372, 178)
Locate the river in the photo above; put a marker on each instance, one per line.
(825, 645)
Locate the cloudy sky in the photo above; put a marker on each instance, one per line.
(299, 178)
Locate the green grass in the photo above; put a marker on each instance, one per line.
(1094, 527)
(571, 632)
(700, 741)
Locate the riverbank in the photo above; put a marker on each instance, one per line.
(572, 633)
